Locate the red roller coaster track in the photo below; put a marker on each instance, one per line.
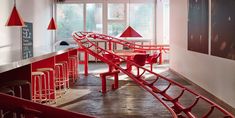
(83, 40)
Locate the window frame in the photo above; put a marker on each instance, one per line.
(106, 21)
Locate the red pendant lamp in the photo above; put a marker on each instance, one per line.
(52, 25)
(15, 18)
(129, 31)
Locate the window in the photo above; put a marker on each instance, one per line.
(116, 19)
(69, 19)
(166, 18)
(141, 19)
(116, 11)
(94, 15)
(115, 29)
(108, 17)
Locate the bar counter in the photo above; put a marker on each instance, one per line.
(16, 68)
(16, 61)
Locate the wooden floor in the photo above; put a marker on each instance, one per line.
(130, 100)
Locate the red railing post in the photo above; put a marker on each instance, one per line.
(86, 63)
(115, 85)
(103, 80)
(110, 45)
(160, 58)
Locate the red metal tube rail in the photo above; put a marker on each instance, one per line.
(113, 40)
(30, 109)
(124, 42)
(82, 38)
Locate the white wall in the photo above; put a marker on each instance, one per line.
(216, 75)
(36, 11)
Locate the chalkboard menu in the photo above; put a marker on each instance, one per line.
(27, 40)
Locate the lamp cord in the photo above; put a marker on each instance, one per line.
(52, 8)
(129, 12)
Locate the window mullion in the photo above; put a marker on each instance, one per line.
(84, 18)
(105, 17)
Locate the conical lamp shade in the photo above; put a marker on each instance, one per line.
(52, 25)
(15, 19)
(130, 32)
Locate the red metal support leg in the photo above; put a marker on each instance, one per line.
(110, 45)
(151, 67)
(103, 80)
(115, 85)
(86, 63)
(128, 65)
(110, 68)
(160, 58)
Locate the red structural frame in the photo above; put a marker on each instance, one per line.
(82, 38)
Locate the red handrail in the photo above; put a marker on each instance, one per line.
(83, 40)
(30, 109)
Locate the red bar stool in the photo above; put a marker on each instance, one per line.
(140, 60)
(61, 77)
(51, 91)
(7, 91)
(16, 86)
(112, 58)
(13, 88)
(152, 59)
(39, 93)
(3, 112)
(65, 73)
(73, 67)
